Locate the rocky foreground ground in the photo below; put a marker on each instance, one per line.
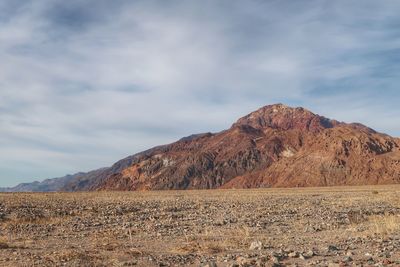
(349, 226)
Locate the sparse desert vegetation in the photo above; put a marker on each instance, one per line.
(337, 226)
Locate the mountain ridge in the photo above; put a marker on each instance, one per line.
(274, 146)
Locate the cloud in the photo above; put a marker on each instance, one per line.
(84, 83)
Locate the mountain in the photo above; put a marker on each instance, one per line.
(275, 146)
(48, 185)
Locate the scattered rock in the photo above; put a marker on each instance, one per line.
(332, 248)
(347, 259)
(349, 253)
(209, 264)
(178, 229)
(309, 254)
(256, 245)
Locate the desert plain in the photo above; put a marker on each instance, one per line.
(332, 226)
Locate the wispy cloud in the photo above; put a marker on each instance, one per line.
(84, 83)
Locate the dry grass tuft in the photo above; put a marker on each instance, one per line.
(4, 244)
(208, 247)
(384, 224)
(214, 242)
(79, 256)
(134, 252)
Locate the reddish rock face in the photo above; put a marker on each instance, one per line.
(275, 146)
(282, 117)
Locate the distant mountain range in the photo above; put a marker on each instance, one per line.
(275, 146)
(47, 185)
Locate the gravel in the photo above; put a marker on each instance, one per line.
(201, 228)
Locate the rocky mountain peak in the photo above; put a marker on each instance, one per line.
(282, 117)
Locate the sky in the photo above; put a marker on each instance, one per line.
(84, 83)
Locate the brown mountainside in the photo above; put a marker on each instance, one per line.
(275, 146)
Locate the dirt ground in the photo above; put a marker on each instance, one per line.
(339, 226)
